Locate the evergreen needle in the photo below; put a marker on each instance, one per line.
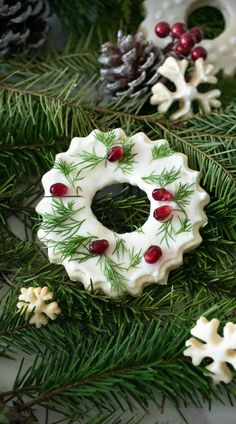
(161, 151)
(166, 177)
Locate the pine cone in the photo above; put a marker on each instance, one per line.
(130, 66)
(23, 25)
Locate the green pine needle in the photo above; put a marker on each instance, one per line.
(163, 179)
(161, 151)
(183, 194)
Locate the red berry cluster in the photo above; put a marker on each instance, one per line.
(183, 40)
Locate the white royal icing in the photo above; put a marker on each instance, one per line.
(91, 272)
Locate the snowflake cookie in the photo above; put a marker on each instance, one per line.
(35, 302)
(185, 92)
(93, 254)
(209, 344)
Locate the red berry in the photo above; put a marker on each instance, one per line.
(98, 247)
(115, 153)
(187, 40)
(58, 189)
(152, 254)
(161, 194)
(162, 212)
(162, 29)
(199, 52)
(182, 51)
(197, 34)
(178, 29)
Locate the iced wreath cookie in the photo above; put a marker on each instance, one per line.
(222, 49)
(93, 254)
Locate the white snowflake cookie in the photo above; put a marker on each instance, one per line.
(185, 92)
(207, 343)
(34, 302)
(93, 254)
(222, 49)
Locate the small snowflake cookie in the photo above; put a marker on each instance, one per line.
(207, 343)
(185, 92)
(221, 49)
(93, 254)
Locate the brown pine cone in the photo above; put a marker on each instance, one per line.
(130, 66)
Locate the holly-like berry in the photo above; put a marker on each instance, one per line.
(115, 153)
(161, 194)
(58, 189)
(153, 254)
(178, 29)
(162, 212)
(162, 29)
(187, 40)
(98, 247)
(197, 34)
(199, 52)
(182, 51)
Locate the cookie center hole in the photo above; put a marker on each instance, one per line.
(122, 208)
(209, 18)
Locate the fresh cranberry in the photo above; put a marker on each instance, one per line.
(197, 34)
(199, 52)
(162, 29)
(178, 29)
(187, 40)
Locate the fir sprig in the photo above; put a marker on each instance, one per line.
(166, 177)
(161, 151)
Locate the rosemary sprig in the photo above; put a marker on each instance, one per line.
(113, 272)
(161, 151)
(120, 248)
(166, 177)
(167, 230)
(91, 160)
(106, 139)
(126, 163)
(186, 225)
(135, 257)
(69, 248)
(61, 220)
(183, 193)
(67, 169)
